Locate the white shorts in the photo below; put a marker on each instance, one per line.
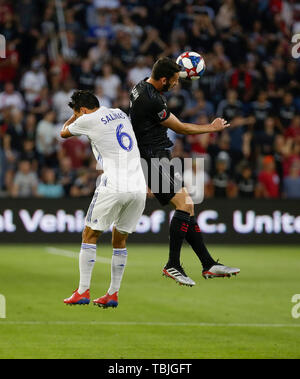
(123, 209)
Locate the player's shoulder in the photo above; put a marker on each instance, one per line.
(148, 93)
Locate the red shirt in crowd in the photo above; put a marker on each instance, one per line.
(76, 150)
(270, 181)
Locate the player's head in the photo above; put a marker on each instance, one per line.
(83, 102)
(166, 72)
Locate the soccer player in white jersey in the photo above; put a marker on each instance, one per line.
(120, 197)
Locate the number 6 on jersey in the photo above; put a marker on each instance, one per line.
(120, 137)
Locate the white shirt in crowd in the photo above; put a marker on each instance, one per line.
(60, 102)
(136, 74)
(110, 85)
(45, 137)
(33, 81)
(14, 100)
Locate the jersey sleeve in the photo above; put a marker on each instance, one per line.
(159, 110)
(79, 127)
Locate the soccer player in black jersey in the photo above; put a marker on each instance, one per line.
(151, 119)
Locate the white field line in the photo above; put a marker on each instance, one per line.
(136, 323)
(71, 254)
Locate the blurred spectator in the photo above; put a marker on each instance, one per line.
(293, 131)
(130, 27)
(124, 53)
(102, 29)
(25, 181)
(251, 80)
(230, 107)
(29, 154)
(66, 174)
(106, 4)
(76, 149)
(195, 175)
(199, 142)
(86, 77)
(15, 134)
(33, 81)
(291, 183)
(264, 140)
(222, 184)
(178, 100)
(30, 126)
(287, 110)
(11, 98)
(83, 185)
(42, 104)
(46, 143)
(122, 101)
(203, 32)
(60, 100)
(246, 183)
(109, 82)
(48, 186)
(243, 82)
(100, 53)
(153, 44)
(60, 68)
(268, 180)
(138, 72)
(291, 154)
(10, 65)
(103, 100)
(198, 105)
(261, 109)
(225, 15)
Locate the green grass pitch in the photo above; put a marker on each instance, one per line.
(248, 316)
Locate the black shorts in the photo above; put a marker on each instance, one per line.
(163, 176)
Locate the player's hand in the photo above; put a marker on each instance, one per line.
(219, 124)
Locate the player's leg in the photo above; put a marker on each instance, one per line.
(179, 225)
(195, 239)
(165, 182)
(211, 268)
(178, 229)
(99, 218)
(118, 264)
(124, 224)
(87, 259)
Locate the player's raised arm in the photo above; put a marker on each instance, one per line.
(82, 103)
(65, 133)
(179, 127)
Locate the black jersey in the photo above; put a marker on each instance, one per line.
(148, 108)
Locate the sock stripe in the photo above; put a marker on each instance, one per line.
(88, 246)
(119, 251)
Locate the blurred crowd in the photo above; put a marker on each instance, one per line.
(107, 46)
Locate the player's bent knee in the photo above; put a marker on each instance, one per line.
(119, 239)
(90, 236)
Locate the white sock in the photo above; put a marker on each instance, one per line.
(87, 259)
(118, 263)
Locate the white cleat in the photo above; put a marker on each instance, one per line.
(179, 276)
(220, 271)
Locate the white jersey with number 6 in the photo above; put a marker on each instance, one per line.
(120, 197)
(113, 141)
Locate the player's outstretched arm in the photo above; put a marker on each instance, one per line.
(179, 127)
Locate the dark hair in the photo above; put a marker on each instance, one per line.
(164, 68)
(83, 98)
